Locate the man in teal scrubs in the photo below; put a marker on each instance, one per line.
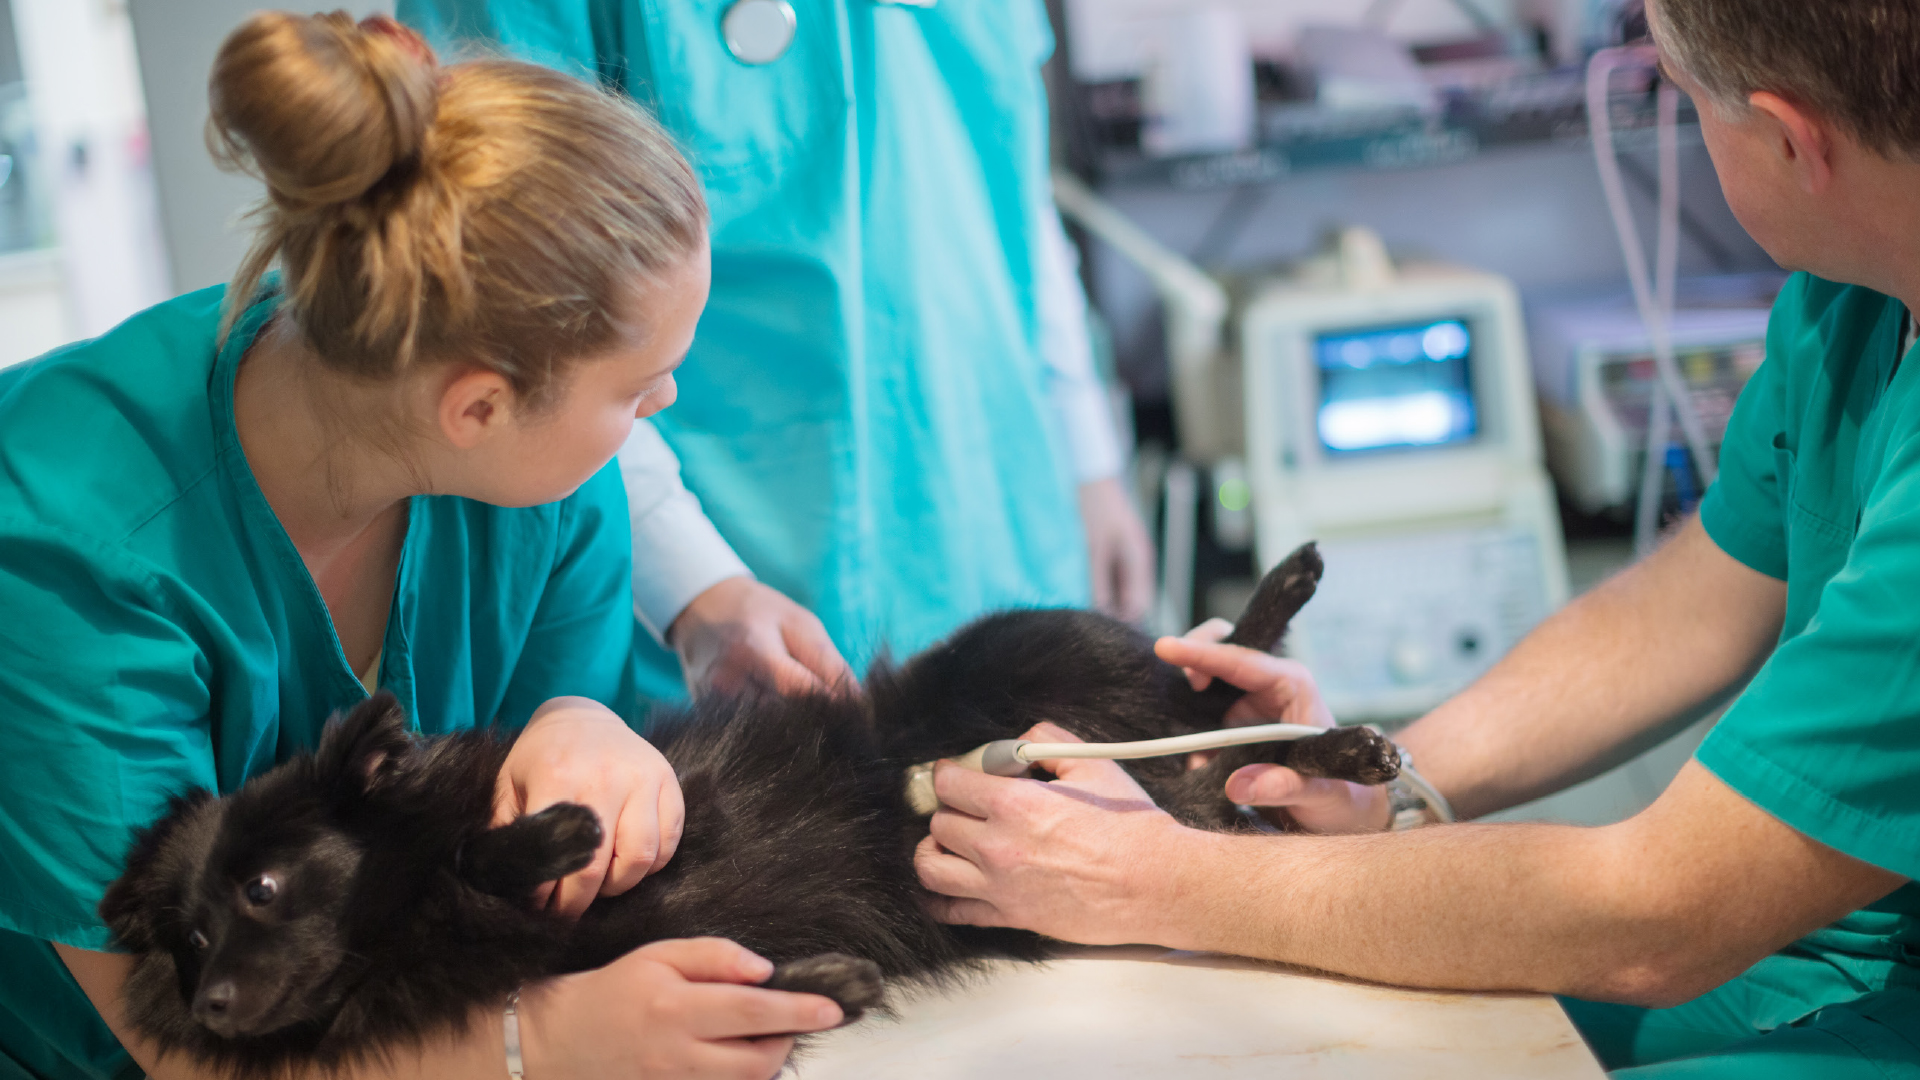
(1758, 920)
(869, 415)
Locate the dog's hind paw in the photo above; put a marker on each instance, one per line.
(854, 984)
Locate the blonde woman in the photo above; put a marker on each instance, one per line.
(385, 465)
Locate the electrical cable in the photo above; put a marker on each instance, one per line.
(1660, 402)
(1654, 299)
(1013, 757)
(1030, 752)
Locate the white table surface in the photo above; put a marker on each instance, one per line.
(1144, 1012)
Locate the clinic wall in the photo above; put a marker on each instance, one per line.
(1535, 214)
(200, 206)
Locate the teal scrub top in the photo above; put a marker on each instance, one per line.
(864, 411)
(1820, 487)
(161, 632)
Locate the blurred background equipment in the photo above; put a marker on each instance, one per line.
(80, 241)
(1593, 366)
(1198, 95)
(1385, 411)
(1390, 415)
(1461, 134)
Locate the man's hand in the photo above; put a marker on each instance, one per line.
(685, 1008)
(1278, 691)
(1119, 549)
(1074, 859)
(740, 633)
(576, 750)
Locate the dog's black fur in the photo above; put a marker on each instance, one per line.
(355, 900)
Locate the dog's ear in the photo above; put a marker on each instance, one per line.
(164, 856)
(368, 746)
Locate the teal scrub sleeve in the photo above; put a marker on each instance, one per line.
(1743, 509)
(581, 639)
(103, 704)
(1827, 736)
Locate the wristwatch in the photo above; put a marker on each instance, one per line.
(1411, 801)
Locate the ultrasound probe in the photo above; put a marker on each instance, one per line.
(1013, 757)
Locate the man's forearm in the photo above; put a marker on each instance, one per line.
(1395, 908)
(1605, 678)
(1638, 912)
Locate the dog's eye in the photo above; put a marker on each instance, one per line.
(198, 940)
(261, 890)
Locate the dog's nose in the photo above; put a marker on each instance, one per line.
(212, 1005)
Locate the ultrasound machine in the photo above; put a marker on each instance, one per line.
(1386, 411)
(1390, 415)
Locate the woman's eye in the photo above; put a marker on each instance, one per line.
(262, 890)
(198, 940)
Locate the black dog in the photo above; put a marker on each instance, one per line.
(355, 900)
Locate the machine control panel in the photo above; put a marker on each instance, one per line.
(1416, 617)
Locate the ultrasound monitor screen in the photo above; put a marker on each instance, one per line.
(1396, 387)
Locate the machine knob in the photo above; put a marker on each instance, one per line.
(1409, 660)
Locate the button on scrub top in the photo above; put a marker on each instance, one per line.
(160, 632)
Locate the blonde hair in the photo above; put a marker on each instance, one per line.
(491, 211)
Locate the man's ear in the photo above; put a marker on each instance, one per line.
(474, 404)
(1804, 138)
(367, 746)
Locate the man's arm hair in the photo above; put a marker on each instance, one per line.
(1612, 674)
(1653, 911)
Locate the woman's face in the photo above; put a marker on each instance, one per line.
(548, 454)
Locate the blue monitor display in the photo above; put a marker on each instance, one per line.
(1396, 387)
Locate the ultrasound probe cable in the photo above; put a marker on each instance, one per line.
(1012, 757)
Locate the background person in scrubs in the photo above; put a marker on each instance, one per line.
(1758, 920)
(890, 411)
(390, 466)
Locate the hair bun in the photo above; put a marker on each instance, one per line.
(320, 107)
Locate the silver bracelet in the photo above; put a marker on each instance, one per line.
(510, 1026)
(1412, 801)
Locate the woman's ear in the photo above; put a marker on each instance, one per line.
(1804, 139)
(474, 404)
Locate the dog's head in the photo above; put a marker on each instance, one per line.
(238, 907)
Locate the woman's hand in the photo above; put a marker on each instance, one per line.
(686, 1008)
(1086, 857)
(1119, 549)
(741, 632)
(576, 750)
(1278, 691)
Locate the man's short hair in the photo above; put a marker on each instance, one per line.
(1856, 62)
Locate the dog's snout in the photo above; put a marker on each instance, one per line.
(213, 1005)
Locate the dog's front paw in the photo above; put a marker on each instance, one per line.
(568, 835)
(511, 860)
(854, 984)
